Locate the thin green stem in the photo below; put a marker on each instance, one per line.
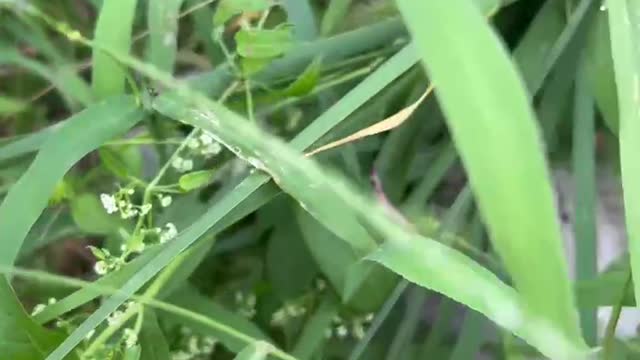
(249, 101)
(610, 332)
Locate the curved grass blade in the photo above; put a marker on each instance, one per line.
(113, 29)
(494, 130)
(81, 134)
(27, 144)
(252, 193)
(74, 90)
(162, 17)
(625, 48)
(584, 173)
(441, 268)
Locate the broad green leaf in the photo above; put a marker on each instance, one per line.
(91, 217)
(196, 179)
(257, 351)
(264, 43)
(153, 343)
(113, 29)
(501, 152)
(162, 17)
(625, 48)
(82, 133)
(229, 8)
(21, 338)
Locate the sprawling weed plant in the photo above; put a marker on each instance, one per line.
(306, 179)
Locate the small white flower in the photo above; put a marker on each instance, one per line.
(342, 331)
(208, 344)
(193, 144)
(194, 347)
(114, 318)
(100, 267)
(181, 355)
(52, 301)
(206, 138)
(129, 212)
(144, 209)
(90, 334)
(251, 300)
(603, 7)
(37, 309)
(165, 201)
(131, 305)
(182, 165)
(211, 149)
(169, 233)
(131, 191)
(358, 330)
(109, 203)
(368, 317)
(187, 165)
(130, 338)
(279, 318)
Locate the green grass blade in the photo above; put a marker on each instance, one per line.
(537, 53)
(113, 29)
(335, 13)
(27, 144)
(584, 174)
(300, 14)
(601, 70)
(74, 90)
(623, 15)
(481, 93)
(162, 17)
(81, 134)
(471, 337)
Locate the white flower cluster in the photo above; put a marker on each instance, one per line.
(105, 261)
(193, 346)
(120, 202)
(355, 326)
(286, 313)
(205, 145)
(130, 338)
(246, 304)
(40, 307)
(181, 164)
(169, 232)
